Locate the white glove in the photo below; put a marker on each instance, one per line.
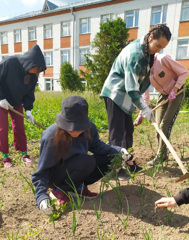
(147, 113)
(45, 206)
(30, 117)
(125, 155)
(4, 104)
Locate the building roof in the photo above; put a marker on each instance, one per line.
(49, 7)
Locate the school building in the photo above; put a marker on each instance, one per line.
(64, 33)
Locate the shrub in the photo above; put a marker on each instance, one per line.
(69, 78)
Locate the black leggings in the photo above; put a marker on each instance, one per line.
(86, 169)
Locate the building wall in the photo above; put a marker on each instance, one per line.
(77, 40)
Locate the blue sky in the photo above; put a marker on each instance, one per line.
(12, 8)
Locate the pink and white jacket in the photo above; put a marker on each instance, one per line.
(167, 73)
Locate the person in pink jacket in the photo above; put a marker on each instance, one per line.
(167, 76)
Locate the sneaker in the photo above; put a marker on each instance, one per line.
(84, 193)
(7, 162)
(60, 196)
(134, 168)
(157, 160)
(26, 159)
(122, 175)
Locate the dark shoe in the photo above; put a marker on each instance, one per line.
(7, 162)
(60, 196)
(122, 175)
(84, 193)
(133, 168)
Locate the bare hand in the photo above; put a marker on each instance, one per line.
(166, 202)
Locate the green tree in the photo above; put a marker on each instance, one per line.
(187, 91)
(69, 78)
(107, 44)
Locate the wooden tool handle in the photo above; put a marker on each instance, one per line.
(24, 116)
(165, 101)
(169, 146)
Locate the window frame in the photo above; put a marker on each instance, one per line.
(19, 34)
(48, 30)
(81, 55)
(50, 57)
(68, 55)
(2, 37)
(32, 31)
(88, 25)
(68, 29)
(162, 14)
(187, 45)
(109, 16)
(135, 13)
(182, 9)
(49, 81)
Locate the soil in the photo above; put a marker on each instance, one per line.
(20, 215)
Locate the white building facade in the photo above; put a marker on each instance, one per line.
(65, 33)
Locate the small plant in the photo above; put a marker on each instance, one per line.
(57, 210)
(168, 192)
(3, 178)
(147, 233)
(142, 186)
(26, 180)
(1, 203)
(123, 220)
(12, 236)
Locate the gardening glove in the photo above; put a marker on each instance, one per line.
(4, 104)
(45, 206)
(172, 96)
(30, 117)
(125, 154)
(139, 119)
(148, 114)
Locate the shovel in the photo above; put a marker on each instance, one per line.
(169, 146)
(22, 115)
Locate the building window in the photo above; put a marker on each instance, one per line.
(48, 58)
(105, 17)
(17, 35)
(183, 49)
(65, 56)
(32, 33)
(152, 90)
(47, 31)
(85, 25)
(65, 29)
(49, 84)
(4, 39)
(131, 18)
(185, 11)
(159, 14)
(82, 53)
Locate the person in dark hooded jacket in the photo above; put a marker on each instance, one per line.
(18, 78)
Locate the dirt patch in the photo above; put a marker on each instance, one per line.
(137, 199)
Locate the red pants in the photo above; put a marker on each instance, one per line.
(19, 136)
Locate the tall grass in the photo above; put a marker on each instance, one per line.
(48, 104)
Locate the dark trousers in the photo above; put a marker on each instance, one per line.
(86, 169)
(120, 125)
